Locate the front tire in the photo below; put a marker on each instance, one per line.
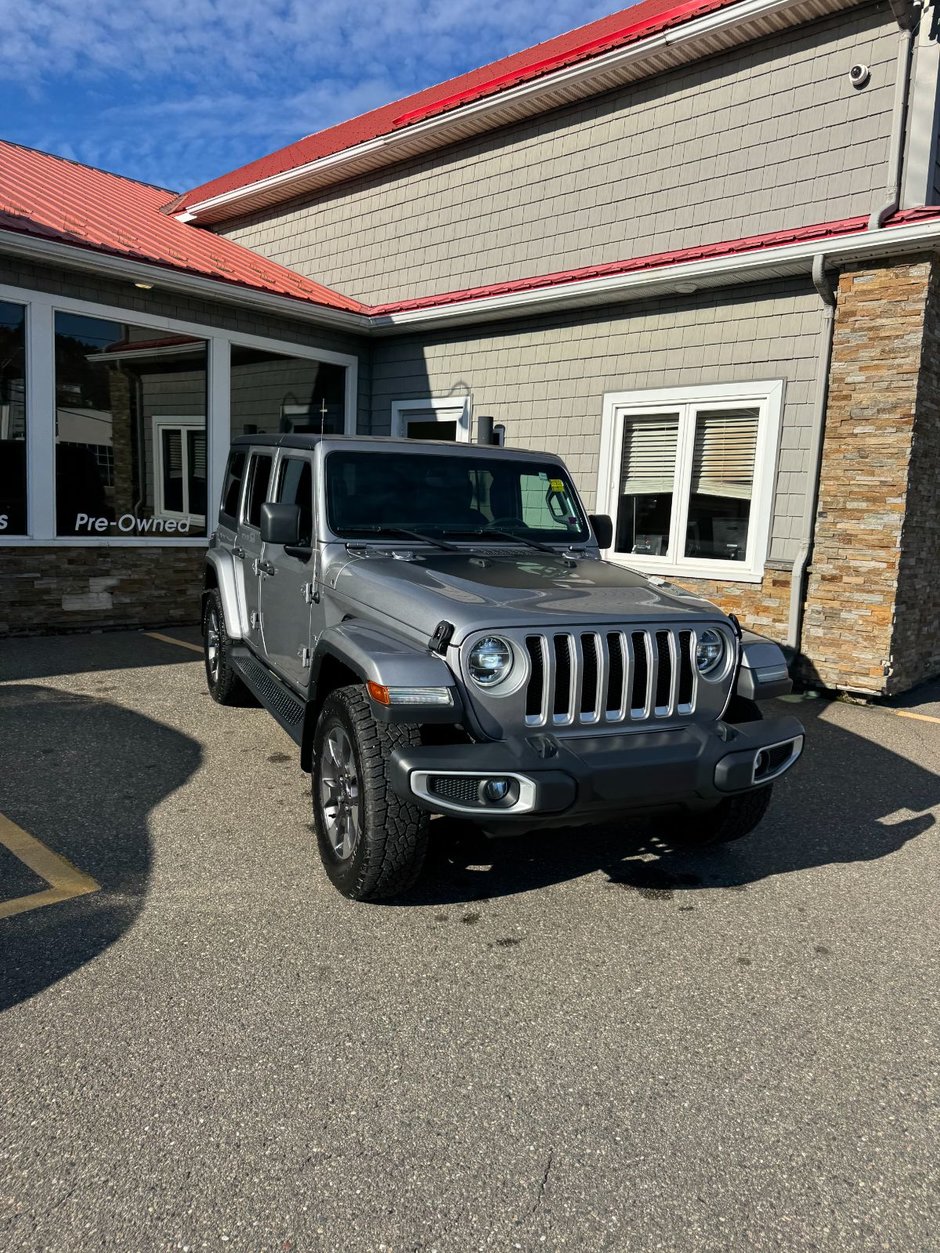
(372, 843)
(731, 819)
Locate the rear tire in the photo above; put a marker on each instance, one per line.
(372, 843)
(225, 687)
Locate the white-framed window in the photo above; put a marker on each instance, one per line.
(435, 418)
(687, 475)
(180, 468)
(68, 481)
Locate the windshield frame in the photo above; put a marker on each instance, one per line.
(450, 528)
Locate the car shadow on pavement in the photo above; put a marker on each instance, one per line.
(848, 800)
(43, 656)
(81, 775)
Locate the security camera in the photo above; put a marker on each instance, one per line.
(859, 75)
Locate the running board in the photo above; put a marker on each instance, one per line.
(285, 706)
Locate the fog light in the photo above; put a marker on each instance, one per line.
(760, 763)
(496, 790)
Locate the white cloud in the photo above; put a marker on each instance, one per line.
(186, 91)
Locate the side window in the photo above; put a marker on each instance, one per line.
(234, 473)
(295, 487)
(259, 476)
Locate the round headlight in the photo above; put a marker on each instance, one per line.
(490, 661)
(709, 651)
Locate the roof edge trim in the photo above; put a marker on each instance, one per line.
(112, 265)
(838, 242)
(289, 183)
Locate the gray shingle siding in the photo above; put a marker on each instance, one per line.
(766, 137)
(546, 379)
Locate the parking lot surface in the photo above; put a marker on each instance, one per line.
(577, 1040)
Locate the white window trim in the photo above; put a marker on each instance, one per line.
(161, 422)
(444, 409)
(764, 395)
(41, 308)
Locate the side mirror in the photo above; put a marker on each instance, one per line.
(603, 529)
(280, 524)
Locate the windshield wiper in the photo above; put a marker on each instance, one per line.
(402, 533)
(512, 535)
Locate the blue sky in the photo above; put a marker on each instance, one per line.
(176, 93)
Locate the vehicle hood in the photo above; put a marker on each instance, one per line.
(477, 592)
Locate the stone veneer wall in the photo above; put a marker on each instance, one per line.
(916, 645)
(877, 409)
(762, 607)
(50, 590)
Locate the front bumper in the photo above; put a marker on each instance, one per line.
(564, 780)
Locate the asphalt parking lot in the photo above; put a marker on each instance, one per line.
(576, 1040)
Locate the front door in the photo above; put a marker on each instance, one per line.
(286, 574)
(432, 419)
(248, 543)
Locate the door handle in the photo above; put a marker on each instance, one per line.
(238, 552)
(266, 567)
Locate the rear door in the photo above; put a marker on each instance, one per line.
(248, 541)
(286, 575)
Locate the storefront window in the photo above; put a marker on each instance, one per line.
(131, 453)
(275, 393)
(12, 419)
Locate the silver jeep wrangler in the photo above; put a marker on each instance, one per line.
(434, 626)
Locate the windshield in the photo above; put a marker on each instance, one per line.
(462, 497)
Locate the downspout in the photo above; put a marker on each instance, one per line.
(907, 16)
(808, 519)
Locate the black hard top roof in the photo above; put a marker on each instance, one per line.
(280, 440)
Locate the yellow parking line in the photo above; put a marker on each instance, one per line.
(906, 713)
(64, 879)
(168, 639)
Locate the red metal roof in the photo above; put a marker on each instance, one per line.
(619, 29)
(49, 197)
(658, 261)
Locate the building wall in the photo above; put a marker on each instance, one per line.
(763, 138)
(872, 601)
(546, 379)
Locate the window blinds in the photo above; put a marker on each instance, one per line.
(197, 454)
(649, 454)
(173, 454)
(724, 453)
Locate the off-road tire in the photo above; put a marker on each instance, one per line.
(731, 819)
(393, 834)
(225, 687)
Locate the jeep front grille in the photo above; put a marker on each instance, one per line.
(585, 677)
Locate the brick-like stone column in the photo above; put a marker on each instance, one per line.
(874, 406)
(915, 653)
(122, 440)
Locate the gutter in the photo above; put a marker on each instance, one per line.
(907, 16)
(798, 577)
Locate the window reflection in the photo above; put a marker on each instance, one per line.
(274, 393)
(12, 419)
(130, 430)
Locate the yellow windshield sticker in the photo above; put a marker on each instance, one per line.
(556, 485)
